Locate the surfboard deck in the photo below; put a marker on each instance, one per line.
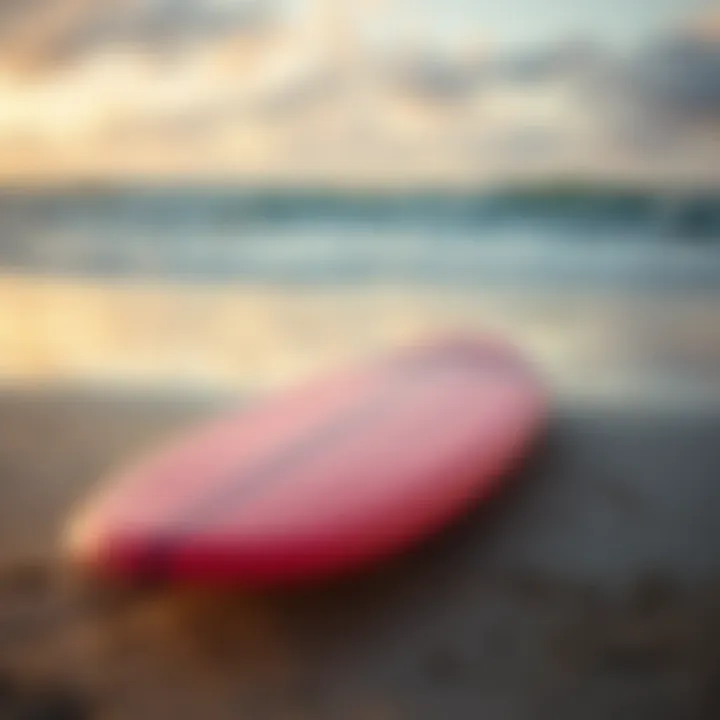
(323, 479)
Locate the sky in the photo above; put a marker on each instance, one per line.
(399, 91)
(518, 22)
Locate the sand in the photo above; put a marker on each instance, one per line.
(591, 590)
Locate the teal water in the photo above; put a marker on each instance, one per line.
(558, 235)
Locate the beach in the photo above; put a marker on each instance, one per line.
(590, 589)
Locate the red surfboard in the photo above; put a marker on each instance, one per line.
(323, 479)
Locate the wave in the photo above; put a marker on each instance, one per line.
(544, 234)
(566, 207)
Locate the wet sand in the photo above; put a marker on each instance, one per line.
(590, 590)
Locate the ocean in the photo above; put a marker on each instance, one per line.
(232, 287)
(536, 235)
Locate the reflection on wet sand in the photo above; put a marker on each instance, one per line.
(224, 337)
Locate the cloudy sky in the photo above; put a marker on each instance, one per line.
(527, 21)
(366, 91)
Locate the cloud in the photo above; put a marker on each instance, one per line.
(247, 92)
(435, 77)
(680, 78)
(40, 34)
(662, 102)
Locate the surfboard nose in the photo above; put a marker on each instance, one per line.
(103, 547)
(78, 548)
(81, 540)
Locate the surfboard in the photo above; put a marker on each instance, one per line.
(322, 479)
